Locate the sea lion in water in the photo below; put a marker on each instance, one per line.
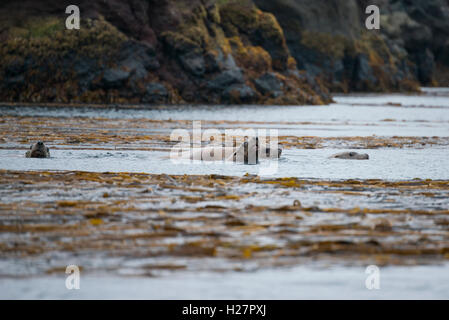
(245, 153)
(251, 152)
(38, 150)
(275, 155)
(351, 156)
(248, 152)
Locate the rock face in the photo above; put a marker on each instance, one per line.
(269, 84)
(218, 51)
(328, 38)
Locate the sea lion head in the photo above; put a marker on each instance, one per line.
(275, 155)
(248, 152)
(38, 150)
(266, 151)
(251, 151)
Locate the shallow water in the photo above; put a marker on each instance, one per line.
(351, 116)
(390, 164)
(128, 225)
(423, 282)
(429, 98)
(355, 117)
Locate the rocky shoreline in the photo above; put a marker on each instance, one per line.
(281, 52)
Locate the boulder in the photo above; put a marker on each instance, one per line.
(193, 63)
(239, 93)
(217, 61)
(155, 93)
(269, 84)
(363, 73)
(138, 59)
(15, 81)
(426, 66)
(86, 69)
(226, 78)
(114, 78)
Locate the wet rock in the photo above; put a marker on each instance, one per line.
(416, 37)
(321, 35)
(363, 73)
(14, 72)
(135, 68)
(240, 93)
(338, 71)
(191, 45)
(82, 66)
(183, 43)
(211, 61)
(155, 93)
(194, 63)
(223, 80)
(269, 84)
(86, 69)
(443, 54)
(15, 68)
(138, 59)
(261, 28)
(176, 43)
(14, 81)
(114, 78)
(227, 63)
(217, 61)
(426, 66)
(396, 22)
(140, 52)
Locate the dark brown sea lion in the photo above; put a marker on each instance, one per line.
(252, 151)
(351, 156)
(38, 150)
(275, 155)
(247, 152)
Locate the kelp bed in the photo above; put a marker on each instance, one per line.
(145, 224)
(146, 134)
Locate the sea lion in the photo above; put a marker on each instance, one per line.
(245, 153)
(248, 153)
(351, 156)
(38, 150)
(275, 155)
(251, 151)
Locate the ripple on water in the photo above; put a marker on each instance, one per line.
(390, 164)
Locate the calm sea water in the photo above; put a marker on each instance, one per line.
(424, 115)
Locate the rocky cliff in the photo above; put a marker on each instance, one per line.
(217, 51)
(329, 39)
